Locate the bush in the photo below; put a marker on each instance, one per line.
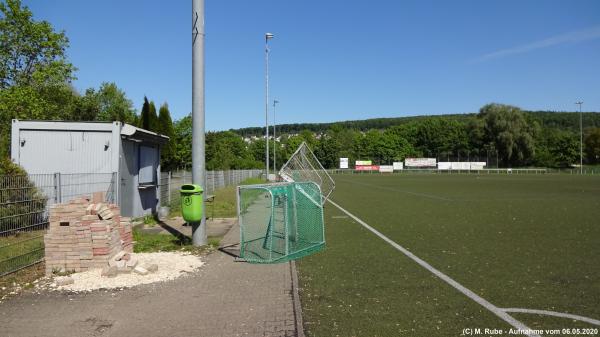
(8, 168)
(22, 206)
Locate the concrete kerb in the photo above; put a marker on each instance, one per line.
(296, 299)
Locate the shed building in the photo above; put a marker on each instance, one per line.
(87, 153)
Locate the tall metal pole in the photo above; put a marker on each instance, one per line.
(274, 139)
(198, 169)
(580, 138)
(268, 36)
(497, 163)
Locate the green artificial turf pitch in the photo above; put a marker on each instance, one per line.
(518, 241)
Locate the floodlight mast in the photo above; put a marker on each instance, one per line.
(580, 138)
(274, 138)
(198, 164)
(268, 36)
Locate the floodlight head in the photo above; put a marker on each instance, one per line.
(269, 36)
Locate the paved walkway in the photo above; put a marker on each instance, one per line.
(224, 298)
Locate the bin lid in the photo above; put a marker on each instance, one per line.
(191, 188)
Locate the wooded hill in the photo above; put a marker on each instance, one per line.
(546, 119)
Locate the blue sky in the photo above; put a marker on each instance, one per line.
(339, 60)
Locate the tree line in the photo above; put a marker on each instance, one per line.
(552, 119)
(500, 133)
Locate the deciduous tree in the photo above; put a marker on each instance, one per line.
(31, 52)
(592, 146)
(113, 104)
(507, 129)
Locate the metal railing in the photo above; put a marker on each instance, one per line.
(592, 170)
(588, 171)
(24, 204)
(170, 182)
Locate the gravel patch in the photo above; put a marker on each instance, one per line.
(171, 265)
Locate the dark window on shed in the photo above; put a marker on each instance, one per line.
(148, 160)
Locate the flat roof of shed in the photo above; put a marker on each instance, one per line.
(127, 131)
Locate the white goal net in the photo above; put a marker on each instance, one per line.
(304, 166)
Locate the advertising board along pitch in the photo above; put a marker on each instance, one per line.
(420, 162)
(386, 168)
(366, 167)
(343, 163)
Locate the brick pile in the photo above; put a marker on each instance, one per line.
(85, 234)
(126, 233)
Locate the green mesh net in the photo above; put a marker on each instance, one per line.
(280, 222)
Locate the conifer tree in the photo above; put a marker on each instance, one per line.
(145, 115)
(165, 127)
(153, 118)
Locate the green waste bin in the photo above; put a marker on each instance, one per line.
(191, 202)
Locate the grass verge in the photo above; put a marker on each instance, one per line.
(159, 242)
(225, 201)
(21, 280)
(20, 250)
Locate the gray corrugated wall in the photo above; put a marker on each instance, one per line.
(50, 151)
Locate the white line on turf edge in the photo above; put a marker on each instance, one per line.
(553, 313)
(483, 302)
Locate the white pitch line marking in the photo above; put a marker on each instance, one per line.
(483, 302)
(553, 313)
